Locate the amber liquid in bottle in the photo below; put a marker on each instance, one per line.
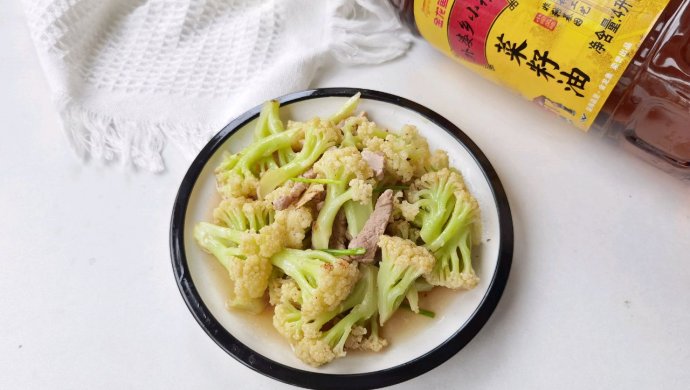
(650, 105)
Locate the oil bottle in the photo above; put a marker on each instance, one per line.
(618, 67)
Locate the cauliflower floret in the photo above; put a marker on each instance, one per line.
(464, 281)
(245, 254)
(243, 214)
(361, 190)
(445, 179)
(320, 347)
(402, 208)
(323, 279)
(407, 154)
(233, 184)
(287, 230)
(280, 192)
(405, 253)
(343, 164)
(408, 210)
(356, 337)
(296, 222)
(357, 130)
(315, 351)
(250, 276)
(402, 262)
(433, 194)
(373, 343)
(367, 130)
(287, 297)
(274, 289)
(338, 282)
(403, 229)
(284, 290)
(287, 319)
(359, 340)
(438, 160)
(269, 241)
(244, 259)
(453, 246)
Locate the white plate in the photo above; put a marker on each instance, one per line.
(417, 343)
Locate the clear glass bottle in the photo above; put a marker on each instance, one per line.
(649, 107)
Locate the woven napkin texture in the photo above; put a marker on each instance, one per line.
(127, 76)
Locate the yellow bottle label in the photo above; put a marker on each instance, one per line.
(565, 55)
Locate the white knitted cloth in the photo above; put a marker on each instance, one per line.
(128, 74)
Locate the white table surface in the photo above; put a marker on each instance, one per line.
(598, 296)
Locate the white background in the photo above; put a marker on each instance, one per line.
(599, 293)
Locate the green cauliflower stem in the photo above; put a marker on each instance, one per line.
(346, 109)
(402, 262)
(269, 121)
(346, 166)
(264, 165)
(357, 214)
(323, 279)
(318, 136)
(453, 247)
(235, 175)
(433, 196)
(412, 296)
(267, 124)
(464, 216)
(322, 347)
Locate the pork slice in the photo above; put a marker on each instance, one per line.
(295, 193)
(315, 191)
(375, 160)
(375, 226)
(283, 202)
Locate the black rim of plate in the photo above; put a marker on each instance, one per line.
(309, 379)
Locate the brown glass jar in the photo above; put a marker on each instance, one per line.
(649, 107)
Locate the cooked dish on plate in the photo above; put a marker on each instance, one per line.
(337, 223)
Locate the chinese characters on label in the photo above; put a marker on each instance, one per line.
(567, 56)
(615, 65)
(542, 65)
(572, 11)
(469, 18)
(610, 25)
(441, 6)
